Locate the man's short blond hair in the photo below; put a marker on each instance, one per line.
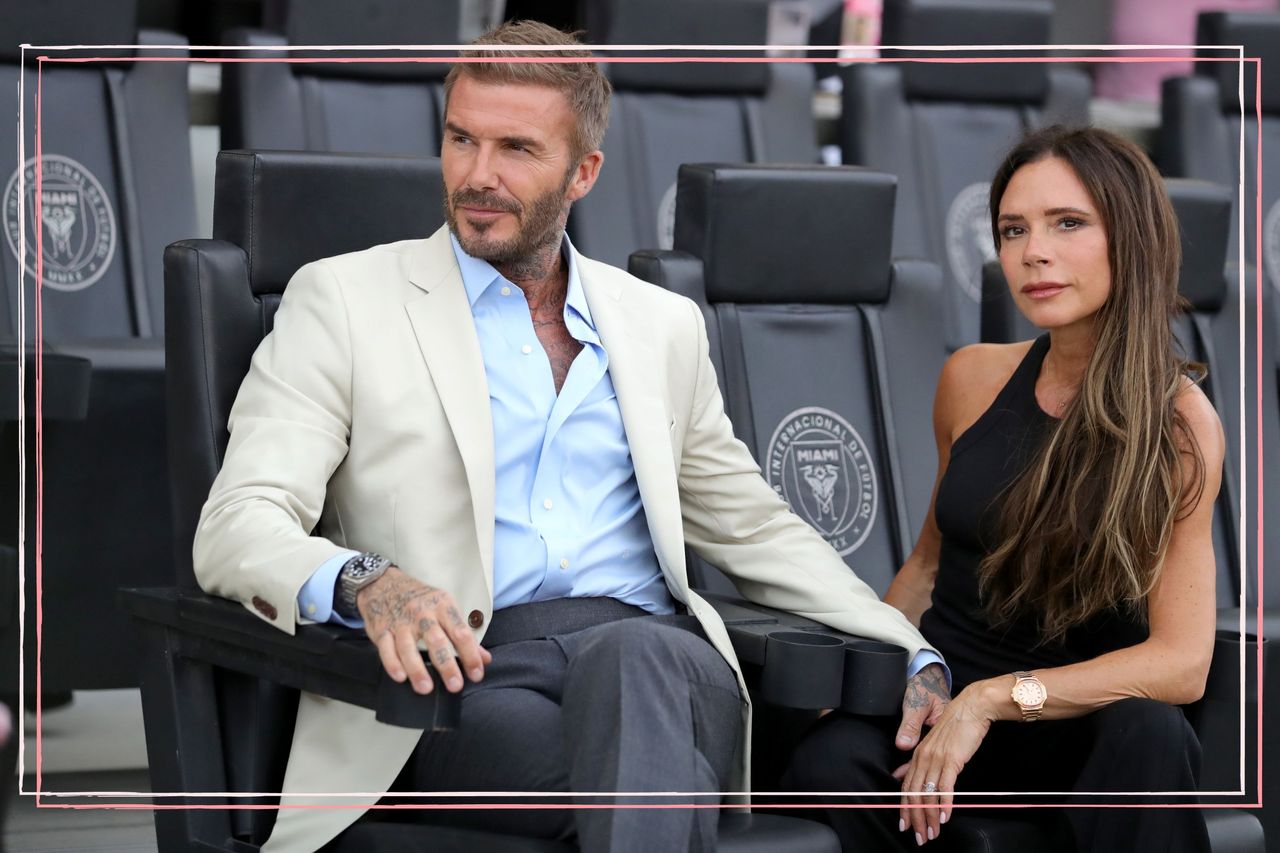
(583, 83)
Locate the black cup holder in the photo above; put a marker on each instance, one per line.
(802, 669)
(875, 675)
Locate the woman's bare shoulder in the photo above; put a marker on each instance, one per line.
(1194, 406)
(971, 379)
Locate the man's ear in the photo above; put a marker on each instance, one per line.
(585, 176)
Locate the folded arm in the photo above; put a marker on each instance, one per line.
(289, 431)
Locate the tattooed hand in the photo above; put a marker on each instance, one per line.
(926, 697)
(398, 610)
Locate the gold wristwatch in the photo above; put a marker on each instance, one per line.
(1029, 694)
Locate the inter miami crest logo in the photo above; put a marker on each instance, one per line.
(78, 224)
(820, 466)
(969, 240)
(1271, 244)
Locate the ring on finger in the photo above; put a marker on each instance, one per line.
(930, 787)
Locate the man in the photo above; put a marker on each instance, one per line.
(504, 442)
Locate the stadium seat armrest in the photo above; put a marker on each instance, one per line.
(328, 660)
(804, 664)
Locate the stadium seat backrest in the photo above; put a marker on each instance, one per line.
(1209, 333)
(107, 139)
(273, 212)
(942, 128)
(371, 107)
(801, 309)
(115, 170)
(666, 114)
(1200, 133)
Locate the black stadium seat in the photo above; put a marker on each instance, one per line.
(117, 187)
(942, 129)
(1201, 124)
(64, 403)
(213, 669)
(831, 349)
(663, 115)
(374, 107)
(802, 352)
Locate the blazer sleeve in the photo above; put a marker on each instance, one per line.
(289, 426)
(736, 522)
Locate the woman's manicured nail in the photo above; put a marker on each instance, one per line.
(919, 840)
(931, 833)
(944, 817)
(902, 825)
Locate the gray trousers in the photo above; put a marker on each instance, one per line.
(590, 695)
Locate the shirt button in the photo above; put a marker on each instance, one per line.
(546, 504)
(475, 619)
(564, 564)
(311, 610)
(506, 291)
(526, 349)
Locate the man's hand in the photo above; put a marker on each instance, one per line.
(397, 610)
(926, 698)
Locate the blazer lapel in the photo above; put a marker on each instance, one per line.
(644, 415)
(441, 318)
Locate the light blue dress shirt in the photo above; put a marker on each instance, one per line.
(568, 517)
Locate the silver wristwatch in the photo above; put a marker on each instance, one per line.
(358, 572)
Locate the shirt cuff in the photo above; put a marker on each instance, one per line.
(315, 601)
(923, 658)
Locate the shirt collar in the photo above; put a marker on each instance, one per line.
(479, 275)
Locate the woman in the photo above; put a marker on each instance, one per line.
(1066, 568)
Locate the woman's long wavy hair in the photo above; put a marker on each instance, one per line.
(1085, 527)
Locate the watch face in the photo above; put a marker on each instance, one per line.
(361, 569)
(1029, 693)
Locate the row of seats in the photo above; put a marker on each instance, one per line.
(941, 128)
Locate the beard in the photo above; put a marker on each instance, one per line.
(540, 225)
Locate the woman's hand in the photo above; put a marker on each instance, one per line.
(938, 760)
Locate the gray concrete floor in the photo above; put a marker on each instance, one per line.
(32, 828)
(93, 744)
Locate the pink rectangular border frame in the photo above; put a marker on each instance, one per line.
(644, 59)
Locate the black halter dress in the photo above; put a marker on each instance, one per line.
(984, 461)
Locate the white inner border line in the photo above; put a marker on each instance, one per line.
(1242, 547)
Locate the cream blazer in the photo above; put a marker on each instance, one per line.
(365, 416)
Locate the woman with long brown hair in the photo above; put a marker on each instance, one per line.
(1066, 568)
